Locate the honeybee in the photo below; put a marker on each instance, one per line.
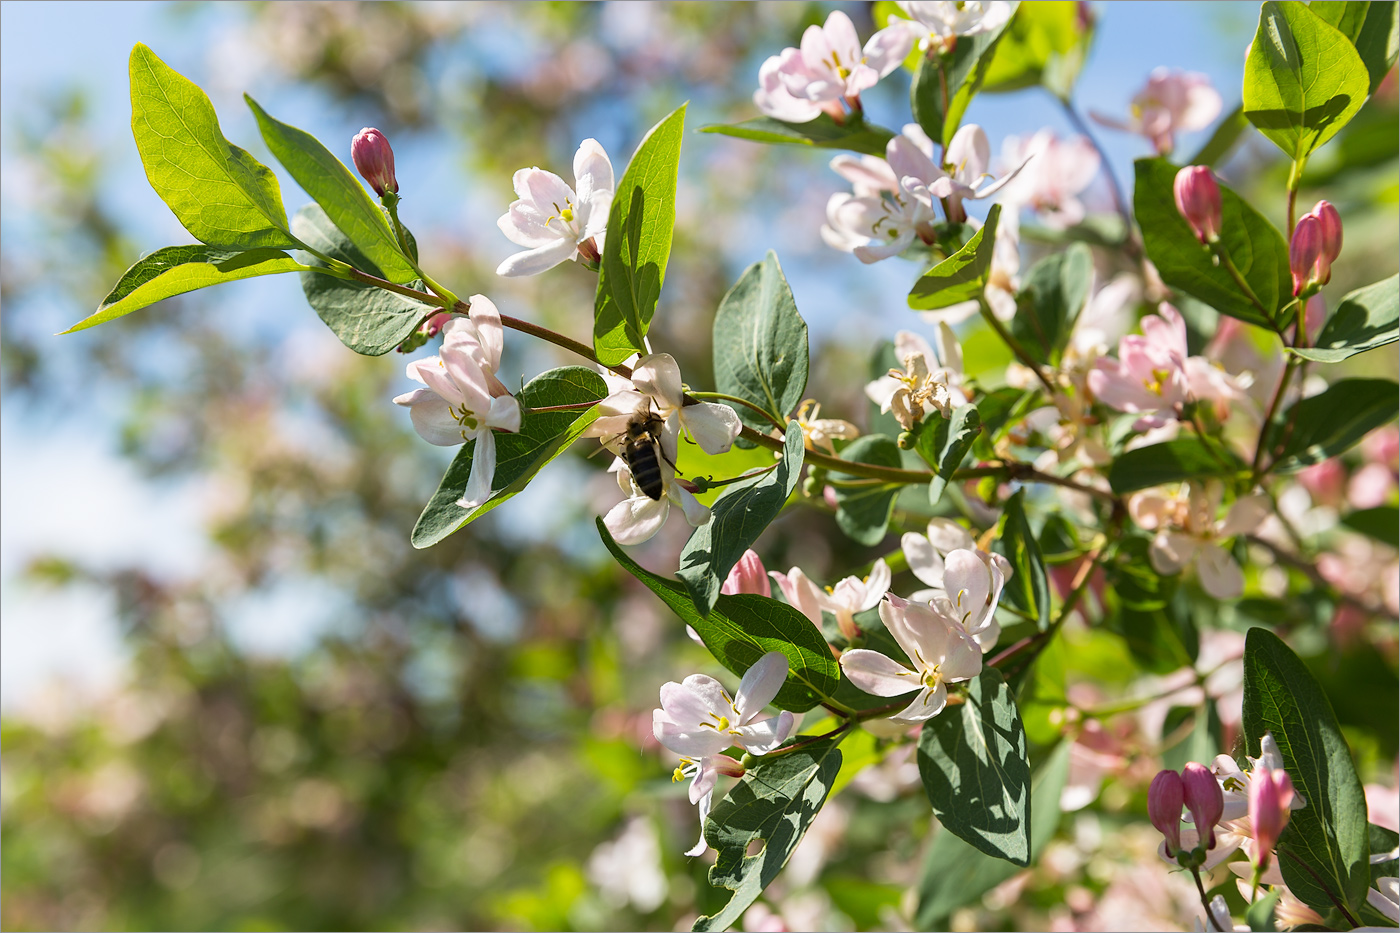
(641, 450)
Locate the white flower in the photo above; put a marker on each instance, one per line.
(801, 593)
(555, 222)
(941, 651)
(854, 595)
(880, 219)
(936, 23)
(966, 582)
(638, 517)
(464, 400)
(925, 554)
(818, 432)
(830, 67)
(968, 158)
(1385, 897)
(928, 381)
(1188, 533)
(698, 720)
(1055, 174)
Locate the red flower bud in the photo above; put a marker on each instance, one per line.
(1198, 199)
(374, 159)
(1305, 256)
(1205, 800)
(1164, 800)
(1270, 800)
(1331, 231)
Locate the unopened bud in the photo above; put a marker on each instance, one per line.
(374, 159)
(907, 440)
(1305, 257)
(747, 576)
(729, 766)
(1202, 795)
(1270, 800)
(1331, 230)
(1198, 199)
(1164, 801)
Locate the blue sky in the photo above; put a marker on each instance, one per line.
(42, 634)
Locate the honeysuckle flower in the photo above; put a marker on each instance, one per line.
(966, 178)
(941, 651)
(1172, 101)
(801, 593)
(928, 380)
(924, 554)
(1055, 173)
(463, 400)
(1270, 804)
(698, 720)
(555, 222)
(1165, 798)
(869, 175)
(881, 219)
(817, 432)
(747, 576)
(374, 160)
(937, 24)
(1385, 897)
(638, 517)
(828, 70)
(854, 595)
(1198, 199)
(1203, 798)
(1187, 533)
(966, 583)
(1235, 782)
(1315, 245)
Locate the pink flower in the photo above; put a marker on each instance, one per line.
(374, 160)
(1198, 199)
(1370, 487)
(1326, 482)
(1172, 101)
(1316, 243)
(1203, 798)
(1056, 172)
(1165, 798)
(830, 68)
(1270, 800)
(747, 576)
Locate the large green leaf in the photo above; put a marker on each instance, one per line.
(1170, 462)
(1303, 79)
(1055, 291)
(944, 442)
(972, 759)
(1381, 523)
(823, 133)
(760, 344)
(737, 518)
(1367, 318)
(742, 628)
(1325, 847)
(1029, 587)
(1371, 27)
(1334, 421)
(863, 511)
(331, 185)
(955, 873)
(175, 270)
(1253, 244)
(944, 85)
(638, 243)
(543, 436)
(367, 319)
(1039, 40)
(963, 275)
(773, 806)
(222, 195)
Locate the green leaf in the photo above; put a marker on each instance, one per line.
(331, 185)
(366, 318)
(222, 195)
(955, 873)
(738, 517)
(956, 78)
(1334, 421)
(1039, 34)
(1303, 80)
(1260, 915)
(1381, 523)
(1366, 319)
(1370, 27)
(1222, 142)
(1325, 846)
(638, 244)
(863, 512)
(963, 275)
(742, 628)
(1028, 588)
(1055, 291)
(760, 344)
(1181, 459)
(175, 270)
(543, 436)
(972, 759)
(774, 804)
(823, 133)
(1253, 244)
(944, 442)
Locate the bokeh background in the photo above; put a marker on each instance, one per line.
(234, 697)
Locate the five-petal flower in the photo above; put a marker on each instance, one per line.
(555, 222)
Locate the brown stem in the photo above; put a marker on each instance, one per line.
(1255, 465)
(1205, 901)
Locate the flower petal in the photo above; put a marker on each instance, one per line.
(432, 418)
(635, 520)
(658, 375)
(483, 471)
(504, 414)
(535, 261)
(489, 333)
(713, 426)
(1245, 515)
(878, 674)
(876, 586)
(760, 738)
(760, 684)
(593, 171)
(1171, 551)
(922, 558)
(928, 704)
(700, 847)
(1220, 576)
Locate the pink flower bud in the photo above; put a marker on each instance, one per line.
(1164, 800)
(1326, 482)
(1331, 230)
(1305, 257)
(433, 325)
(728, 766)
(374, 159)
(747, 576)
(1270, 797)
(1198, 199)
(1202, 795)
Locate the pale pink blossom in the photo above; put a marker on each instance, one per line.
(853, 595)
(1171, 102)
(938, 23)
(1188, 533)
(1056, 172)
(1371, 486)
(747, 576)
(801, 593)
(829, 70)
(555, 222)
(928, 381)
(964, 174)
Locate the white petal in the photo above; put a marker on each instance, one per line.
(1246, 515)
(487, 321)
(947, 535)
(432, 418)
(923, 560)
(877, 674)
(713, 426)
(968, 582)
(693, 743)
(1171, 551)
(593, 171)
(695, 513)
(760, 684)
(928, 704)
(700, 847)
(504, 414)
(876, 586)
(762, 737)
(635, 520)
(703, 784)
(658, 375)
(483, 471)
(1220, 576)
(535, 261)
